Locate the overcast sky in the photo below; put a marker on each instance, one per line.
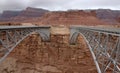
(59, 4)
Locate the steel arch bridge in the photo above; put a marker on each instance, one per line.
(104, 45)
(11, 36)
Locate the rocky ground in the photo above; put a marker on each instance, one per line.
(33, 55)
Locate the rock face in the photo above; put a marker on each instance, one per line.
(118, 19)
(71, 17)
(0, 15)
(9, 14)
(22, 15)
(76, 17)
(33, 12)
(33, 55)
(30, 14)
(86, 17)
(108, 15)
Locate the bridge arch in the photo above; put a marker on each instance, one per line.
(73, 40)
(100, 47)
(11, 38)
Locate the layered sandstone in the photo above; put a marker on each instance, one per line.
(79, 17)
(76, 17)
(20, 16)
(109, 16)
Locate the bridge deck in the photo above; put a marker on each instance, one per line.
(21, 27)
(114, 31)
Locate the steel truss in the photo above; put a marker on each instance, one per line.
(11, 36)
(104, 45)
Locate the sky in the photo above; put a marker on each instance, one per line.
(59, 4)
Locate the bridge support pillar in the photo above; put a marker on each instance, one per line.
(45, 34)
(73, 35)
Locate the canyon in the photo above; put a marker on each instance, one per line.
(33, 55)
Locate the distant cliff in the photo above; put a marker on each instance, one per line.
(9, 14)
(22, 15)
(0, 15)
(33, 12)
(71, 18)
(43, 16)
(107, 15)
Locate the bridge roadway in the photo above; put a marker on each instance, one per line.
(104, 43)
(21, 27)
(109, 30)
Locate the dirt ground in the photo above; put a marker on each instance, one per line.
(33, 55)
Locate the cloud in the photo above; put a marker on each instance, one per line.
(59, 4)
(12, 4)
(91, 4)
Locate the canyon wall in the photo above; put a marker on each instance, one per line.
(69, 17)
(79, 17)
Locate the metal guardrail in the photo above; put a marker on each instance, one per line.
(104, 44)
(113, 31)
(21, 27)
